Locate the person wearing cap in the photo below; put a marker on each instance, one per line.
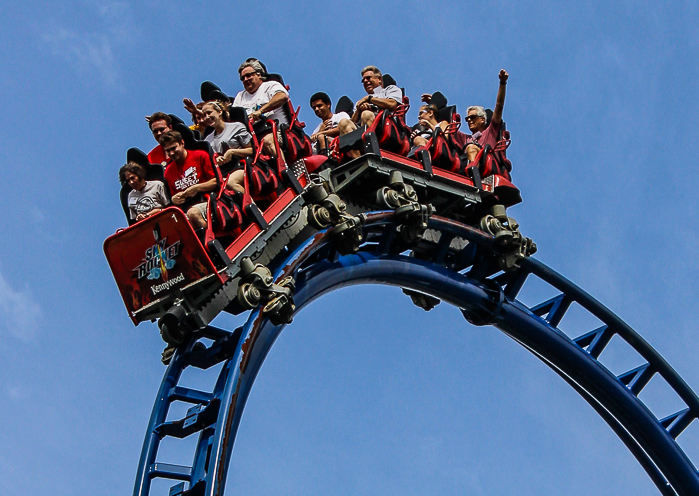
(261, 97)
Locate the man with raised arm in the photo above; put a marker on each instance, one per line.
(476, 119)
(159, 123)
(261, 97)
(189, 174)
(321, 105)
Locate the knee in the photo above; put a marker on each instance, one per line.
(346, 126)
(235, 181)
(195, 218)
(367, 117)
(419, 141)
(472, 151)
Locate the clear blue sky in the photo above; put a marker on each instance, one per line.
(602, 105)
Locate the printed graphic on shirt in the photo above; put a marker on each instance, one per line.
(145, 204)
(190, 178)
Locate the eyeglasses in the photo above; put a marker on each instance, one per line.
(247, 76)
(473, 117)
(367, 78)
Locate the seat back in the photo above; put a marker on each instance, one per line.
(344, 104)
(438, 100)
(442, 152)
(207, 88)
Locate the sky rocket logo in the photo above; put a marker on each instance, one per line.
(158, 259)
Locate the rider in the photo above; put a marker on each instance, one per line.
(476, 119)
(378, 98)
(159, 123)
(261, 97)
(146, 197)
(228, 140)
(321, 105)
(189, 173)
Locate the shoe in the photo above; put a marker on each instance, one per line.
(167, 354)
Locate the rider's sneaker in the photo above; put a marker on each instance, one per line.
(167, 354)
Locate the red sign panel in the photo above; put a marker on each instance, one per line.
(154, 257)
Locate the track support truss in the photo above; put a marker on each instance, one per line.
(459, 265)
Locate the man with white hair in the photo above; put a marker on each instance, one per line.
(261, 97)
(476, 119)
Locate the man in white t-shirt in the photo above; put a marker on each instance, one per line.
(261, 97)
(320, 103)
(378, 98)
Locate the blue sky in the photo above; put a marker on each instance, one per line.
(602, 106)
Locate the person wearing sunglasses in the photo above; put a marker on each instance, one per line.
(378, 98)
(484, 132)
(427, 122)
(261, 97)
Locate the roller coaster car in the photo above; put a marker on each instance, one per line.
(233, 219)
(164, 270)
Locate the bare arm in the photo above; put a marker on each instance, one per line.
(206, 187)
(331, 133)
(500, 101)
(237, 152)
(277, 101)
(385, 103)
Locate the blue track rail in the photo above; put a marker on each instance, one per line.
(463, 274)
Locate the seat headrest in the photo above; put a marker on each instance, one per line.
(206, 88)
(438, 100)
(276, 77)
(388, 80)
(446, 113)
(187, 135)
(219, 95)
(138, 156)
(175, 120)
(488, 116)
(153, 171)
(237, 114)
(344, 104)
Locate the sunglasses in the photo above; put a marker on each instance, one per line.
(247, 76)
(473, 117)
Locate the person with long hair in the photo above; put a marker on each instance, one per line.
(229, 140)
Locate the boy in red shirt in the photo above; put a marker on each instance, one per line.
(189, 174)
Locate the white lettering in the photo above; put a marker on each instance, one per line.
(167, 284)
